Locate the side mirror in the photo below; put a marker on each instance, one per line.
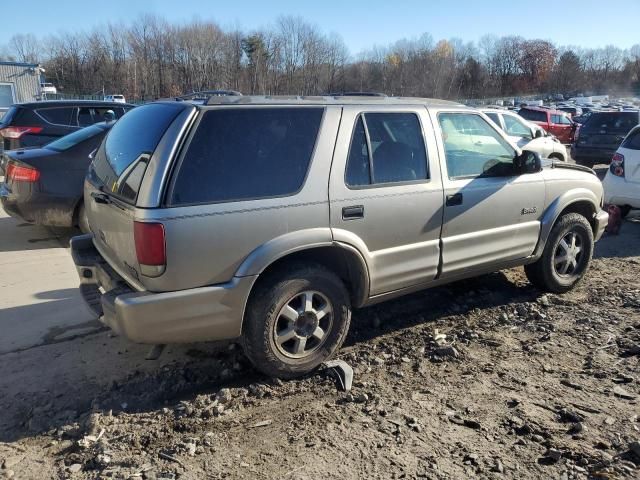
(538, 134)
(109, 116)
(527, 162)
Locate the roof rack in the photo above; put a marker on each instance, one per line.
(357, 94)
(205, 95)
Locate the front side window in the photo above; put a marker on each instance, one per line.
(247, 153)
(516, 128)
(560, 120)
(386, 148)
(99, 113)
(473, 147)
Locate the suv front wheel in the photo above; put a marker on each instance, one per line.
(296, 320)
(566, 256)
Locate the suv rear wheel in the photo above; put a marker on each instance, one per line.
(296, 320)
(566, 256)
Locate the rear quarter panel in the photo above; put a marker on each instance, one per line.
(206, 244)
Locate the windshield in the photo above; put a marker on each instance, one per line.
(73, 139)
(617, 121)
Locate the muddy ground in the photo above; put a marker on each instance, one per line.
(522, 386)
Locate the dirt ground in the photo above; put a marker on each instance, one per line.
(485, 378)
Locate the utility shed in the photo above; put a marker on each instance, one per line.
(19, 82)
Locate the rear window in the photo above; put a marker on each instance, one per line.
(73, 139)
(533, 115)
(59, 115)
(632, 142)
(120, 162)
(614, 121)
(247, 153)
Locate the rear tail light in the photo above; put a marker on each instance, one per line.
(617, 165)
(150, 247)
(17, 132)
(19, 173)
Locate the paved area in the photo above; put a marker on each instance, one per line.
(39, 300)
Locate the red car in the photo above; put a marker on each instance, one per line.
(555, 122)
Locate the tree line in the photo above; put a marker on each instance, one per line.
(153, 58)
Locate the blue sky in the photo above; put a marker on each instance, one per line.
(586, 23)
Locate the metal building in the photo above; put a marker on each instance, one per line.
(19, 82)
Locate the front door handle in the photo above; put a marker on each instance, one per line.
(453, 200)
(353, 212)
(100, 198)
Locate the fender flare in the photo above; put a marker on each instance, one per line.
(556, 207)
(306, 240)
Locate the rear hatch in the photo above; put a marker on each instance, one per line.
(114, 179)
(606, 130)
(630, 149)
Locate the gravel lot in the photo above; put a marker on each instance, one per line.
(485, 378)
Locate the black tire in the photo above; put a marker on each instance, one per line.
(557, 156)
(263, 319)
(83, 221)
(624, 210)
(544, 274)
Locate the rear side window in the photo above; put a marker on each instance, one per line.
(121, 160)
(58, 115)
(632, 142)
(533, 115)
(247, 153)
(386, 148)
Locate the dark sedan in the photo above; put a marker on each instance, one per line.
(45, 185)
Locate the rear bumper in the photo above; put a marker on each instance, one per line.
(592, 154)
(39, 208)
(601, 220)
(184, 316)
(619, 191)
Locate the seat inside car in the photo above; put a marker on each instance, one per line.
(393, 162)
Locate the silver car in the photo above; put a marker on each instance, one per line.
(527, 135)
(269, 219)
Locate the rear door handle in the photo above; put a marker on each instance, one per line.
(453, 200)
(100, 198)
(353, 212)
